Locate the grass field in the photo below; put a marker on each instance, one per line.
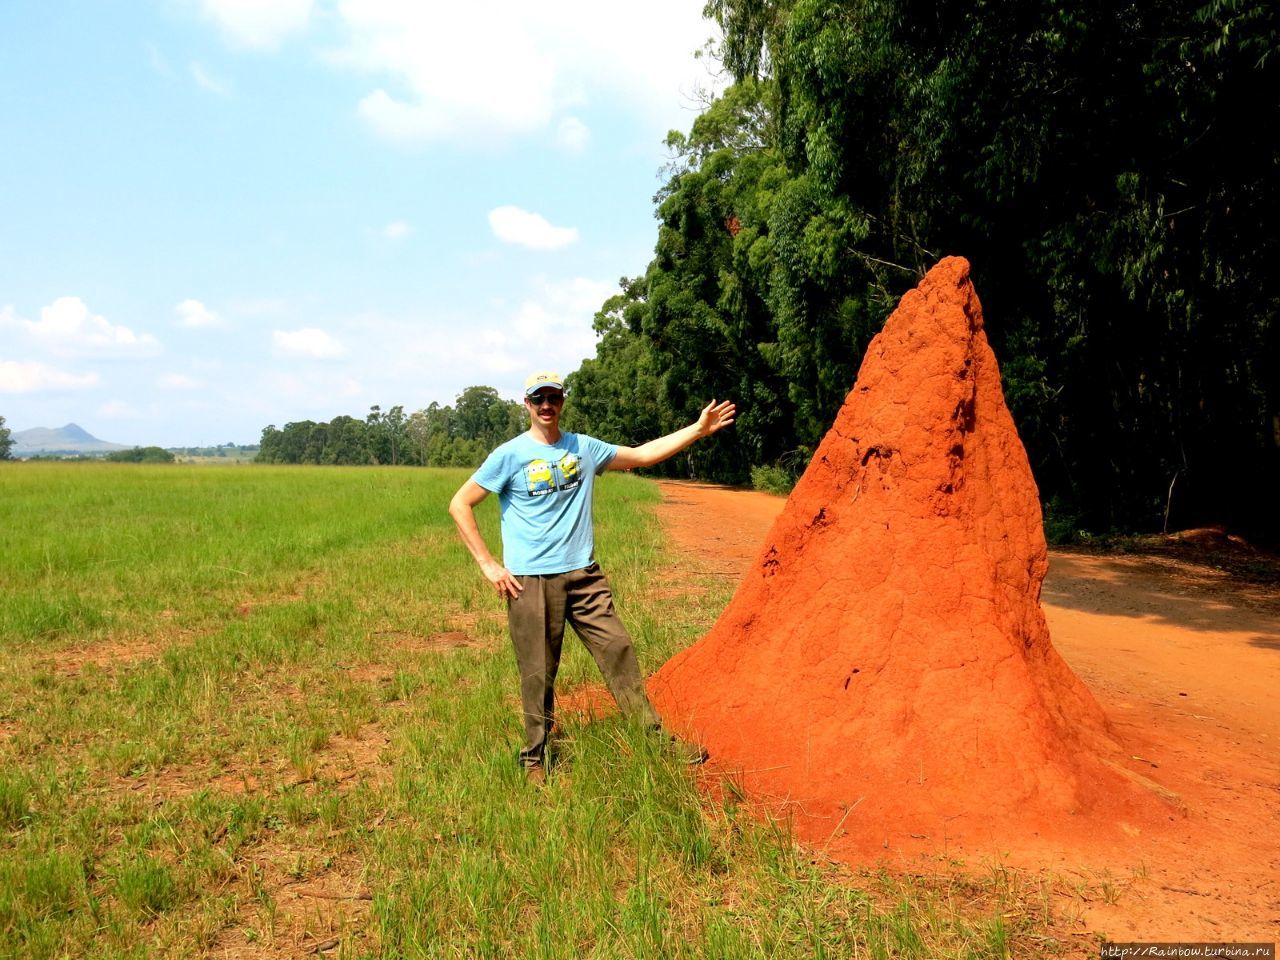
(271, 712)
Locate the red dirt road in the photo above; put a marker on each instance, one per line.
(1185, 661)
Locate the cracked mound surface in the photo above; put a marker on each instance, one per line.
(884, 667)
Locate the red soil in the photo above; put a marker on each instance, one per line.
(885, 669)
(1182, 656)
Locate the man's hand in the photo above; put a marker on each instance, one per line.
(715, 416)
(502, 579)
(462, 509)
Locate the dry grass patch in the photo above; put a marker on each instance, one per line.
(106, 655)
(339, 766)
(288, 902)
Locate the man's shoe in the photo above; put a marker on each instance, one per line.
(536, 775)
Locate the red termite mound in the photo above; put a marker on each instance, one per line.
(885, 668)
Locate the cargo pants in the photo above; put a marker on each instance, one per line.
(537, 617)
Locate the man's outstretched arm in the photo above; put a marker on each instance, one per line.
(713, 417)
(462, 509)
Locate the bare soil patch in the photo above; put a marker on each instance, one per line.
(446, 640)
(106, 655)
(279, 914)
(1179, 641)
(344, 761)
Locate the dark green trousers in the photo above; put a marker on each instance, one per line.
(582, 599)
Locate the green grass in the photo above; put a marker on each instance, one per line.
(266, 709)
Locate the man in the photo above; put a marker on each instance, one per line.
(544, 480)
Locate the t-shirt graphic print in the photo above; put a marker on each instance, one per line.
(543, 476)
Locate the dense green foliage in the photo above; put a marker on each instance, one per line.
(6, 441)
(457, 436)
(1110, 170)
(140, 455)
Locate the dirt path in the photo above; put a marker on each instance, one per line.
(1185, 660)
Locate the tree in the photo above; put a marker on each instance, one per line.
(141, 455)
(437, 436)
(1087, 158)
(6, 441)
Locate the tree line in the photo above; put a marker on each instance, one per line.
(140, 455)
(1110, 170)
(437, 436)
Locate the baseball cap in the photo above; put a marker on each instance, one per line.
(538, 381)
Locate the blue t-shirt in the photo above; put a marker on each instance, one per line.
(544, 492)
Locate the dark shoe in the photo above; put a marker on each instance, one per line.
(536, 776)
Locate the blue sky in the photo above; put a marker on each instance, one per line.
(219, 214)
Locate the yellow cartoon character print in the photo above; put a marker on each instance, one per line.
(568, 468)
(539, 479)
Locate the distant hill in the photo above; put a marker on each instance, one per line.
(68, 439)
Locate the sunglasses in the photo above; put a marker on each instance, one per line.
(538, 399)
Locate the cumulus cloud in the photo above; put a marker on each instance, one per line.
(560, 315)
(572, 135)
(260, 24)
(193, 314)
(67, 325)
(307, 342)
(539, 62)
(30, 376)
(550, 328)
(440, 93)
(402, 122)
(397, 230)
(525, 229)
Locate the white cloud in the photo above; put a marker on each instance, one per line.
(402, 122)
(573, 135)
(68, 326)
(513, 225)
(502, 68)
(193, 314)
(207, 81)
(560, 315)
(261, 24)
(549, 329)
(178, 381)
(397, 230)
(307, 342)
(424, 50)
(30, 376)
